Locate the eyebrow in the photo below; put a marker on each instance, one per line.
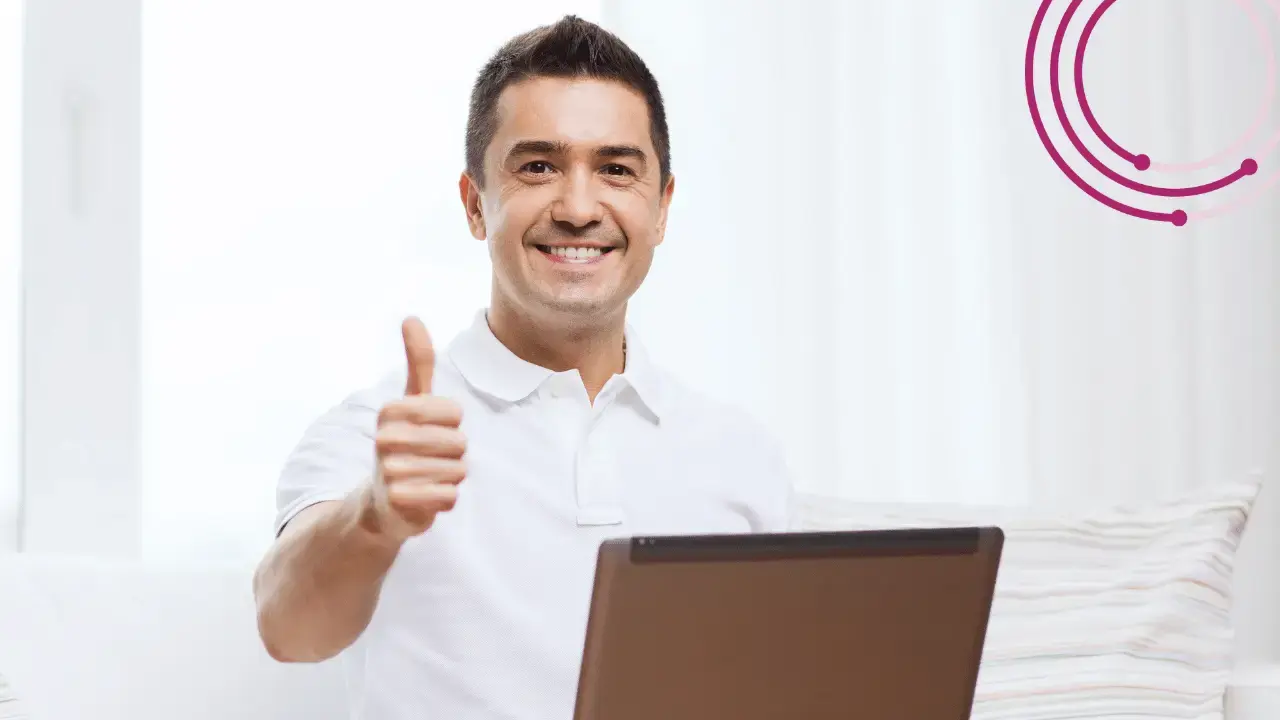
(549, 147)
(622, 151)
(538, 147)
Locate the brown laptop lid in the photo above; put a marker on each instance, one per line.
(805, 626)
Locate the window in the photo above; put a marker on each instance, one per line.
(10, 271)
(299, 197)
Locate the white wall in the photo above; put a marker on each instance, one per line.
(11, 48)
(299, 199)
(1009, 340)
(213, 261)
(81, 276)
(871, 248)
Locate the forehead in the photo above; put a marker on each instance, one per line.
(578, 111)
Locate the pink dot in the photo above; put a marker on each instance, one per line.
(1179, 217)
(1142, 162)
(1249, 166)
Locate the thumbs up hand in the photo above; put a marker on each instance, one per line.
(419, 449)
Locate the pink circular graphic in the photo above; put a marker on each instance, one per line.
(1142, 162)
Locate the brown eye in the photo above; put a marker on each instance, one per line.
(537, 167)
(618, 170)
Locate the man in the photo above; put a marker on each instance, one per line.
(440, 528)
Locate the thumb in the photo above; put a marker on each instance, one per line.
(420, 355)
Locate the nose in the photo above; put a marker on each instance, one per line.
(579, 204)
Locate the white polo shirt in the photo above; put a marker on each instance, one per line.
(483, 617)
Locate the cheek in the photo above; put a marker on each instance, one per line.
(638, 219)
(508, 220)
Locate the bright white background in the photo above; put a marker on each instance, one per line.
(10, 268)
(299, 198)
(869, 250)
(893, 273)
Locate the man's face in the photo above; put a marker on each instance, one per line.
(572, 206)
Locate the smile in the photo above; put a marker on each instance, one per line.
(574, 255)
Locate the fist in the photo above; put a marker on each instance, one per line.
(419, 448)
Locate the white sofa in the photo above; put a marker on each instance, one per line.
(96, 639)
(89, 639)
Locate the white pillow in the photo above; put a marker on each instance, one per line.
(10, 709)
(1116, 614)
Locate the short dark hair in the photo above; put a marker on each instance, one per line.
(570, 48)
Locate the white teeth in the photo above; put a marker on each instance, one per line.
(577, 254)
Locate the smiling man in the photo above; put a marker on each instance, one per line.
(440, 527)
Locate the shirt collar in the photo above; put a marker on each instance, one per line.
(490, 367)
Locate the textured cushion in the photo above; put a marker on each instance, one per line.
(1116, 614)
(10, 708)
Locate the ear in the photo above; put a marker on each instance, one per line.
(664, 205)
(469, 190)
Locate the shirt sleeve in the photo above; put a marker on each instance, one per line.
(334, 456)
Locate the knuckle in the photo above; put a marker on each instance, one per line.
(457, 471)
(419, 406)
(448, 411)
(387, 438)
(449, 442)
(396, 495)
(391, 412)
(405, 494)
(448, 496)
(395, 466)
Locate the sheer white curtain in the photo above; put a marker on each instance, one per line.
(853, 281)
(299, 198)
(10, 270)
(872, 248)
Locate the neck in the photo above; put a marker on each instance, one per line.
(595, 350)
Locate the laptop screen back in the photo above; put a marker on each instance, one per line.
(885, 625)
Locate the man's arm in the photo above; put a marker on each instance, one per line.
(318, 586)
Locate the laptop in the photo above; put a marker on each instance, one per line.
(885, 624)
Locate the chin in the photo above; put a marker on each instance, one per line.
(580, 306)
